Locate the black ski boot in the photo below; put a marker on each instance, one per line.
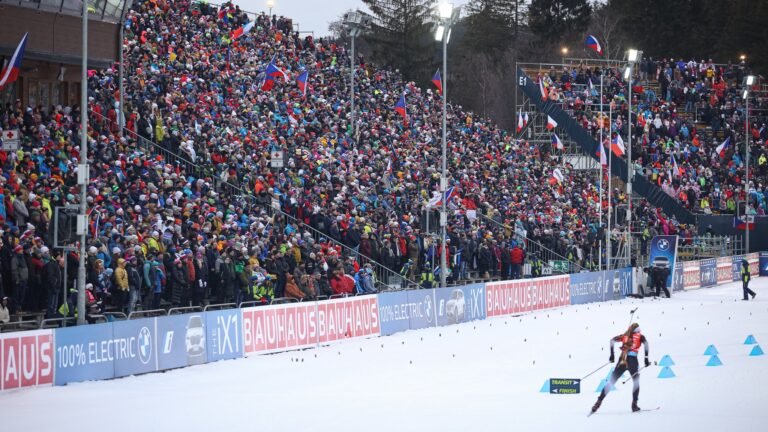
(635, 408)
(597, 404)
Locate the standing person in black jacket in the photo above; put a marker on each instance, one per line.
(52, 280)
(746, 276)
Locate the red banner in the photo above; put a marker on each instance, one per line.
(26, 359)
(298, 325)
(691, 275)
(724, 272)
(512, 297)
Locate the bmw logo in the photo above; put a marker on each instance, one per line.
(145, 345)
(663, 244)
(428, 307)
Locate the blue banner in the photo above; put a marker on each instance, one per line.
(422, 308)
(181, 341)
(622, 282)
(136, 352)
(736, 267)
(763, 263)
(708, 272)
(600, 286)
(664, 254)
(393, 312)
(86, 353)
(223, 336)
(678, 280)
(460, 304)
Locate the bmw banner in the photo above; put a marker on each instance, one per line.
(664, 254)
(708, 272)
(181, 341)
(86, 353)
(763, 263)
(460, 304)
(223, 335)
(135, 351)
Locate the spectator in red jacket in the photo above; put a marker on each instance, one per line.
(517, 257)
(341, 283)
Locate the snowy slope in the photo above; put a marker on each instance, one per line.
(478, 376)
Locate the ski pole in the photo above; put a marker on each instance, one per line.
(633, 375)
(589, 374)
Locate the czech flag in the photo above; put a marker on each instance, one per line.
(557, 142)
(302, 82)
(525, 119)
(242, 30)
(603, 155)
(11, 72)
(436, 201)
(400, 109)
(723, 147)
(676, 169)
(270, 74)
(520, 123)
(551, 123)
(617, 146)
(592, 42)
(437, 81)
(557, 177)
(741, 224)
(543, 90)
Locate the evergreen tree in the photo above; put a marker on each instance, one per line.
(550, 20)
(493, 24)
(401, 36)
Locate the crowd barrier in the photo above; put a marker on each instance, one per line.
(121, 348)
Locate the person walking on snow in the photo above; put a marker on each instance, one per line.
(630, 345)
(746, 276)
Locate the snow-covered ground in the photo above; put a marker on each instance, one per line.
(478, 376)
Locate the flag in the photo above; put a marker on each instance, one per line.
(436, 201)
(11, 71)
(617, 146)
(543, 90)
(591, 86)
(437, 81)
(400, 109)
(520, 124)
(741, 224)
(270, 73)
(551, 123)
(525, 120)
(557, 143)
(243, 30)
(292, 119)
(676, 169)
(302, 82)
(723, 147)
(557, 177)
(592, 42)
(603, 155)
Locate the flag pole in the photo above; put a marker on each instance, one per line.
(608, 244)
(600, 186)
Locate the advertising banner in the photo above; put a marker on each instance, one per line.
(736, 267)
(691, 276)
(664, 254)
(763, 263)
(181, 341)
(421, 305)
(518, 296)
(708, 272)
(135, 351)
(754, 263)
(679, 277)
(223, 336)
(600, 286)
(394, 311)
(26, 359)
(460, 304)
(724, 269)
(86, 353)
(298, 325)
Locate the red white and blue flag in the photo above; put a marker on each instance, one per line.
(617, 146)
(721, 149)
(675, 168)
(543, 90)
(11, 72)
(270, 74)
(551, 123)
(520, 123)
(436, 201)
(603, 155)
(437, 81)
(592, 42)
(557, 142)
(400, 109)
(302, 82)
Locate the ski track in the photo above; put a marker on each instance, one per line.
(476, 376)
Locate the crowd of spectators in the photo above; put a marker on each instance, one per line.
(202, 228)
(697, 106)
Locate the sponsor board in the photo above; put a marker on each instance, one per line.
(691, 275)
(459, 304)
(512, 297)
(708, 272)
(299, 325)
(223, 335)
(724, 269)
(678, 283)
(763, 264)
(600, 286)
(26, 359)
(134, 349)
(664, 254)
(86, 353)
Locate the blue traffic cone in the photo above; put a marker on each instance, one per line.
(756, 351)
(711, 351)
(545, 387)
(750, 340)
(666, 361)
(714, 361)
(666, 372)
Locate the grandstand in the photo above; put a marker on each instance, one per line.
(187, 209)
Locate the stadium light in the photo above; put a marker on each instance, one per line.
(742, 57)
(749, 81)
(627, 73)
(564, 50)
(270, 5)
(446, 17)
(633, 55)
